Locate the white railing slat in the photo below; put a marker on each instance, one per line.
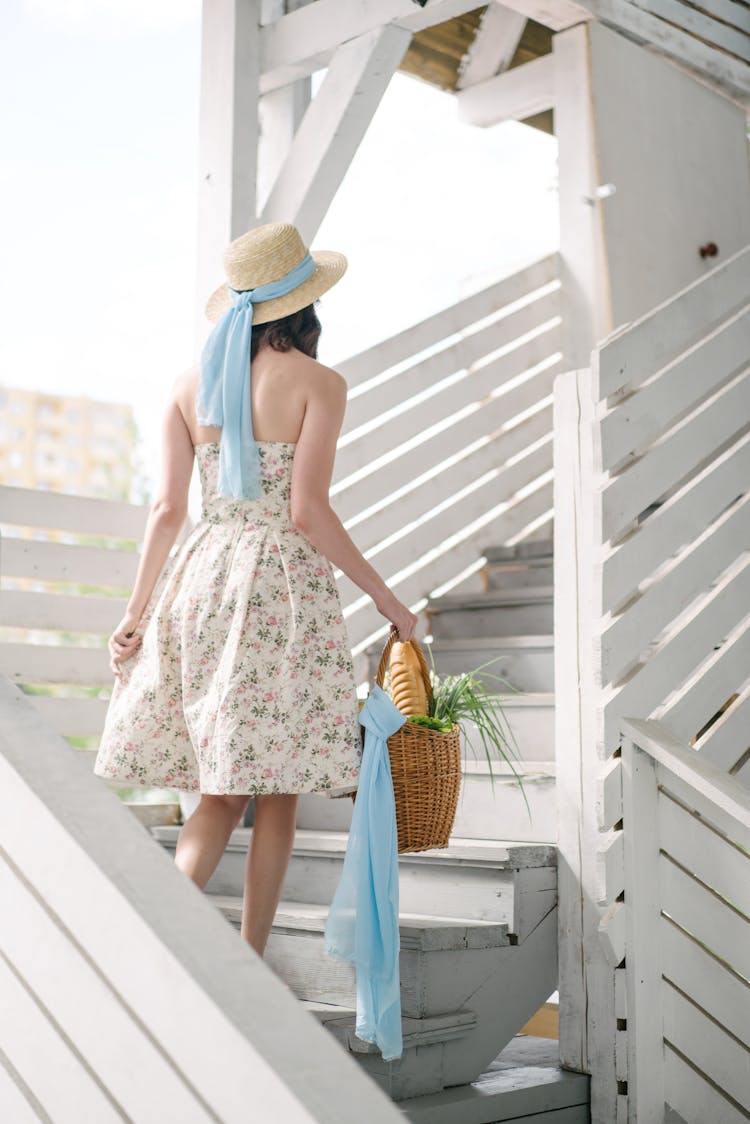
(428, 535)
(680, 386)
(633, 630)
(707, 1045)
(61, 612)
(679, 655)
(721, 993)
(440, 326)
(68, 562)
(723, 743)
(636, 351)
(60, 511)
(50, 663)
(684, 450)
(710, 855)
(378, 402)
(692, 1096)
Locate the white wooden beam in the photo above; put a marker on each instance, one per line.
(554, 14)
(333, 126)
(228, 137)
(304, 41)
(511, 96)
(493, 46)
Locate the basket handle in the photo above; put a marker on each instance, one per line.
(380, 675)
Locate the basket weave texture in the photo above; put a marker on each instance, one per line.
(426, 771)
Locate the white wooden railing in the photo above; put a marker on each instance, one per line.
(124, 994)
(682, 931)
(652, 604)
(447, 444)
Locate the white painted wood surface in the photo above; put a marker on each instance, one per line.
(686, 829)
(115, 962)
(334, 123)
(493, 46)
(511, 96)
(651, 531)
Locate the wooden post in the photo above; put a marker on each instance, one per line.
(642, 957)
(228, 139)
(586, 978)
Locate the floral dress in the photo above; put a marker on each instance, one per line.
(244, 680)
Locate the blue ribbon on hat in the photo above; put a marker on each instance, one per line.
(223, 396)
(362, 923)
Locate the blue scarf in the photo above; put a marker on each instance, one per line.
(362, 922)
(223, 396)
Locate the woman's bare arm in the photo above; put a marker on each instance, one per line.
(312, 470)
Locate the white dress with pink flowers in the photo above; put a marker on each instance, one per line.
(244, 680)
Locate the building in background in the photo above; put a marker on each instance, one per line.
(67, 444)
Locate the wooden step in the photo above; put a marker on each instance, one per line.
(488, 806)
(496, 612)
(526, 663)
(524, 1083)
(525, 564)
(507, 882)
(435, 975)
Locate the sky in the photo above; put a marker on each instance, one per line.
(98, 182)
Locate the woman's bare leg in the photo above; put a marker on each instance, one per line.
(267, 861)
(205, 834)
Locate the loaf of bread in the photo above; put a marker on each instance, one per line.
(407, 684)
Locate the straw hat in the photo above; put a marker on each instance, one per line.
(267, 253)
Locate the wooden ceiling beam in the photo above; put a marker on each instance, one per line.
(494, 45)
(304, 41)
(512, 96)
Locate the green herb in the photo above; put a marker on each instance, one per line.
(432, 723)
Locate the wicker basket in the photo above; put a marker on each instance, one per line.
(426, 772)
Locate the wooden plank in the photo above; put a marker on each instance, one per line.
(69, 989)
(161, 947)
(426, 526)
(522, 284)
(713, 794)
(726, 741)
(68, 562)
(678, 656)
(722, 994)
(511, 96)
(50, 663)
(686, 449)
(60, 612)
(17, 1101)
(72, 717)
(612, 857)
(642, 901)
(493, 46)
(61, 511)
(681, 520)
(612, 930)
(366, 625)
(409, 386)
(691, 573)
(684, 383)
(227, 140)
(702, 26)
(636, 351)
(609, 794)
(333, 127)
(501, 483)
(304, 40)
(688, 1092)
(725, 932)
(385, 480)
(707, 1045)
(716, 860)
(727, 668)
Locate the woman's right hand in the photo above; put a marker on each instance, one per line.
(399, 615)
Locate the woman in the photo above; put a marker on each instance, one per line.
(234, 675)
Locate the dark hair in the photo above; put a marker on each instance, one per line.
(299, 329)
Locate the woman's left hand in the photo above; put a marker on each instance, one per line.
(121, 645)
